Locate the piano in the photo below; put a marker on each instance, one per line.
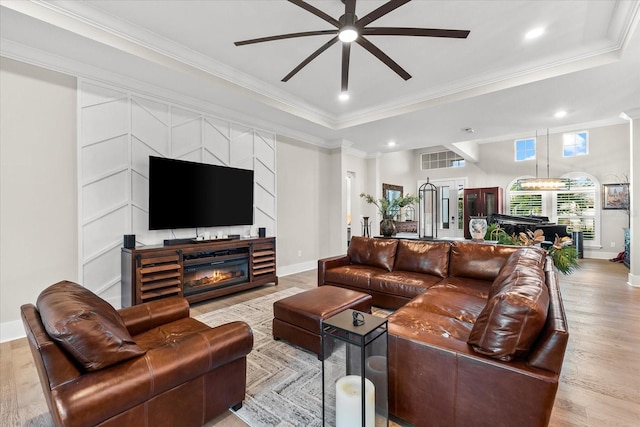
(516, 224)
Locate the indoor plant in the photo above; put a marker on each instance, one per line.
(564, 255)
(388, 209)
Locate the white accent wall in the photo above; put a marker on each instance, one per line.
(118, 131)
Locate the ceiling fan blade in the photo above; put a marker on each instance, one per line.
(310, 58)
(383, 57)
(380, 12)
(346, 52)
(285, 36)
(420, 32)
(320, 14)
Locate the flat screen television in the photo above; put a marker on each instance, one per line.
(186, 194)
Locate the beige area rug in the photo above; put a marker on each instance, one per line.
(284, 382)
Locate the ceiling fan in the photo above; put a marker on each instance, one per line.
(351, 28)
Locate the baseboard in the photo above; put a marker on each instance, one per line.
(634, 280)
(596, 254)
(297, 268)
(10, 331)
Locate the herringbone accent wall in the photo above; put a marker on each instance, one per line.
(118, 131)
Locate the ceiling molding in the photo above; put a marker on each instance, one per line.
(64, 19)
(104, 28)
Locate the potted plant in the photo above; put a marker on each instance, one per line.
(388, 209)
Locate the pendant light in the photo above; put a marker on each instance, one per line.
(543, 184)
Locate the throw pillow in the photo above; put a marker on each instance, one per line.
(513, 318)
(86, 326)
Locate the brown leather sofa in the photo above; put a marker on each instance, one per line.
(145, 365)
(479, 334)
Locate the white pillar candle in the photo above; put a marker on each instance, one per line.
(349, 402)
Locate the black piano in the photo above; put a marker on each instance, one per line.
(515, 224)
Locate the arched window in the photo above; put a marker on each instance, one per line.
(578, 208)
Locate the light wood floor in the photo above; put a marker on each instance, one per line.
(599, 386)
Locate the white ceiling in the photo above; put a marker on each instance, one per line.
(587, 62)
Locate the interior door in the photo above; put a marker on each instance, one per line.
(449, 218)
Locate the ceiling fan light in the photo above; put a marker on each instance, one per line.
(348, 34)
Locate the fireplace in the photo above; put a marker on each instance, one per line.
(205, 276)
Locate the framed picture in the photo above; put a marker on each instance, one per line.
(615, 196)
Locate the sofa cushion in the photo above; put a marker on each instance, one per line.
(88, 327)
(445, 302)
(478, 260)
(512, 319)
(402, 283)
(476, 287)
(423, 257)
(379, 253)
(354, 275)
(419, 325)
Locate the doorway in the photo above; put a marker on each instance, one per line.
(449, 220)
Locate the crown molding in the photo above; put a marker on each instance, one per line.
(72, 17)
(107, 29)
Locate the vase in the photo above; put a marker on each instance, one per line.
(387, 227)
(477, 227)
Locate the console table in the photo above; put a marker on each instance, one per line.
(197, 271)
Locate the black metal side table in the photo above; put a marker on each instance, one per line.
(360, 351)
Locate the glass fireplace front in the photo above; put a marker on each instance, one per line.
(214, 275)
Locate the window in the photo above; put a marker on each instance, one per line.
(525, 149)
(575, 144)
(441, 160)
(578, 207)
(525, 204)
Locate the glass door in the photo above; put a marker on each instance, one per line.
(450, 223)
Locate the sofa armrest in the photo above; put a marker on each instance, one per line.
(99, 395)
(328, 263)
(142, 317)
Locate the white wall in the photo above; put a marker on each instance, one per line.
(38, 199)
(303, 204)
(398, 168)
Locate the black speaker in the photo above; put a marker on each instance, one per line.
(130, 241)
(262, 232)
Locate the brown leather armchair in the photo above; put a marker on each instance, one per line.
(145, 365)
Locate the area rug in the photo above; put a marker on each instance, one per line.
(284, 382)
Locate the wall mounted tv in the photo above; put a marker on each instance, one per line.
(186, 194)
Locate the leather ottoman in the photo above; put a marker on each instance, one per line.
(297, 318)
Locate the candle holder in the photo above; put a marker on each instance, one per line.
(359, 352)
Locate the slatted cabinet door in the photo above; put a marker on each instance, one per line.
(158, 276)
(264, 261)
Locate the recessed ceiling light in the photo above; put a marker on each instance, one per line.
(344, 96)
(535, 33)
(560, 114)
(391, 144)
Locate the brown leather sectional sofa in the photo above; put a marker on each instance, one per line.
(479, 334)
